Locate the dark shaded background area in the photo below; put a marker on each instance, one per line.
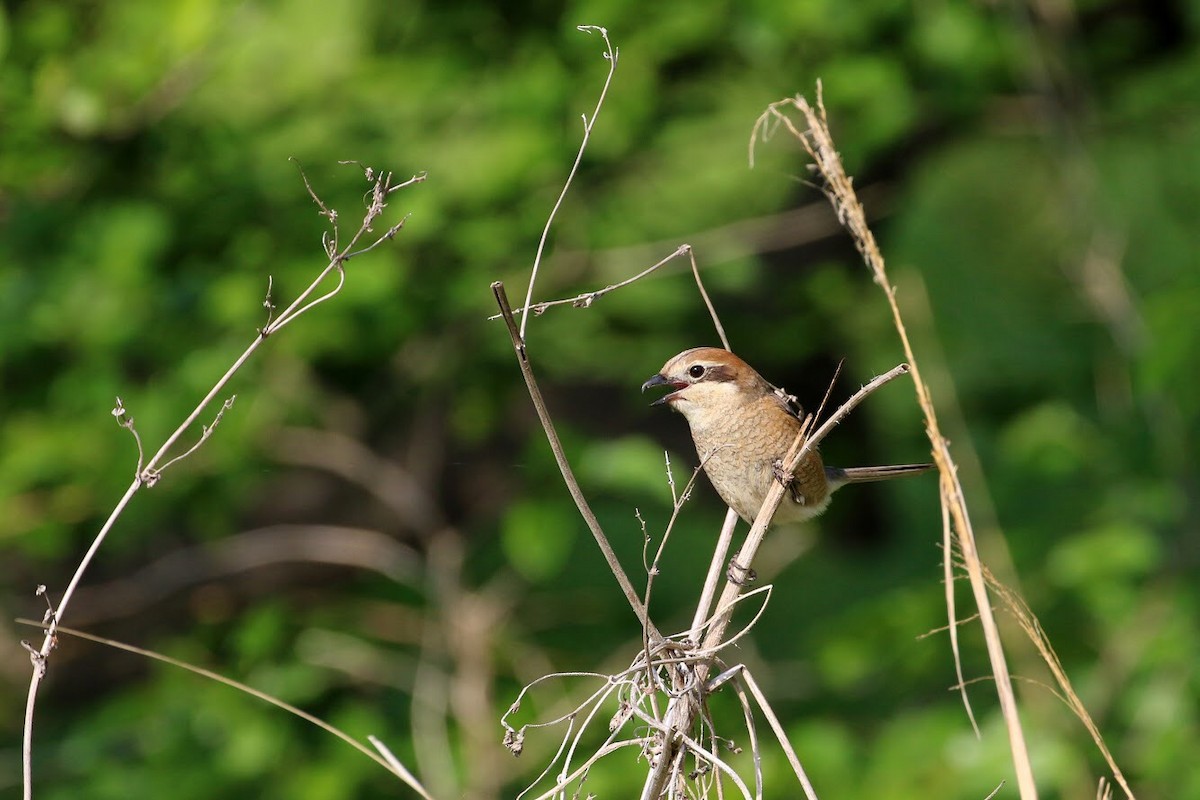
(377, 532)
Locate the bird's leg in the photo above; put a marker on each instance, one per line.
(739, 575)
(782, 476)
(788, 479)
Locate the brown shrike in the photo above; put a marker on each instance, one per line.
(743, 427)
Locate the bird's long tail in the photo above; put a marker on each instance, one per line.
(838, 476)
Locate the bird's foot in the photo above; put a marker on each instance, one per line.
(783, 477)
(739, 575)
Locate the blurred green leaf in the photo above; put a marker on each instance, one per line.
(538, 538)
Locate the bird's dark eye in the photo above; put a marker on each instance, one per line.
(696, 370)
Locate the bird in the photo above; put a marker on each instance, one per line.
(742, 427)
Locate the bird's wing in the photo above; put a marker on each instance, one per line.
(788, 402)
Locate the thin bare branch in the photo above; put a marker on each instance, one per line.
(586, 299)
(691, 744)
(652, 570)
(752, 732)
(564, 467)
(151, 477)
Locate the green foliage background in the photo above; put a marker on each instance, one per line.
(1034, 173)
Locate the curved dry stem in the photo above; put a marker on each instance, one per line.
(586, 299)
(726, 611)
(516, 706)
(149, 473)
(151, 476)
(780, 734)
(712, 311)
(293, 313)
(678, 737)
(583, 726)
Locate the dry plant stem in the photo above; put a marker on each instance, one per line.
(149, 473)
(690, 744)
(583, 726)
(716, 568)
(680, 713)
(586, 299)
(712, 311)
(818, 142)
(610, 53)
(582, 769)
(388, 762)
(952, 613)
(397, 767)
(752, 732)
(564, 467)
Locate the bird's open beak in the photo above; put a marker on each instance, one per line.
(659, 380)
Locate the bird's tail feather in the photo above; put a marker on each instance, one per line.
(839, 476)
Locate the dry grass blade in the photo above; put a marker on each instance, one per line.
(838, 188)
(1029, 623)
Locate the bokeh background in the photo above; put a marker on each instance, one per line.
(377, 532)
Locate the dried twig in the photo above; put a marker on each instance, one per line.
(610, 54)
(586, 299)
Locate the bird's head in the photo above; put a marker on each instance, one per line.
(707, 381)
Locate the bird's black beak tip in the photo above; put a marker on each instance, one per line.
(655, 380)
